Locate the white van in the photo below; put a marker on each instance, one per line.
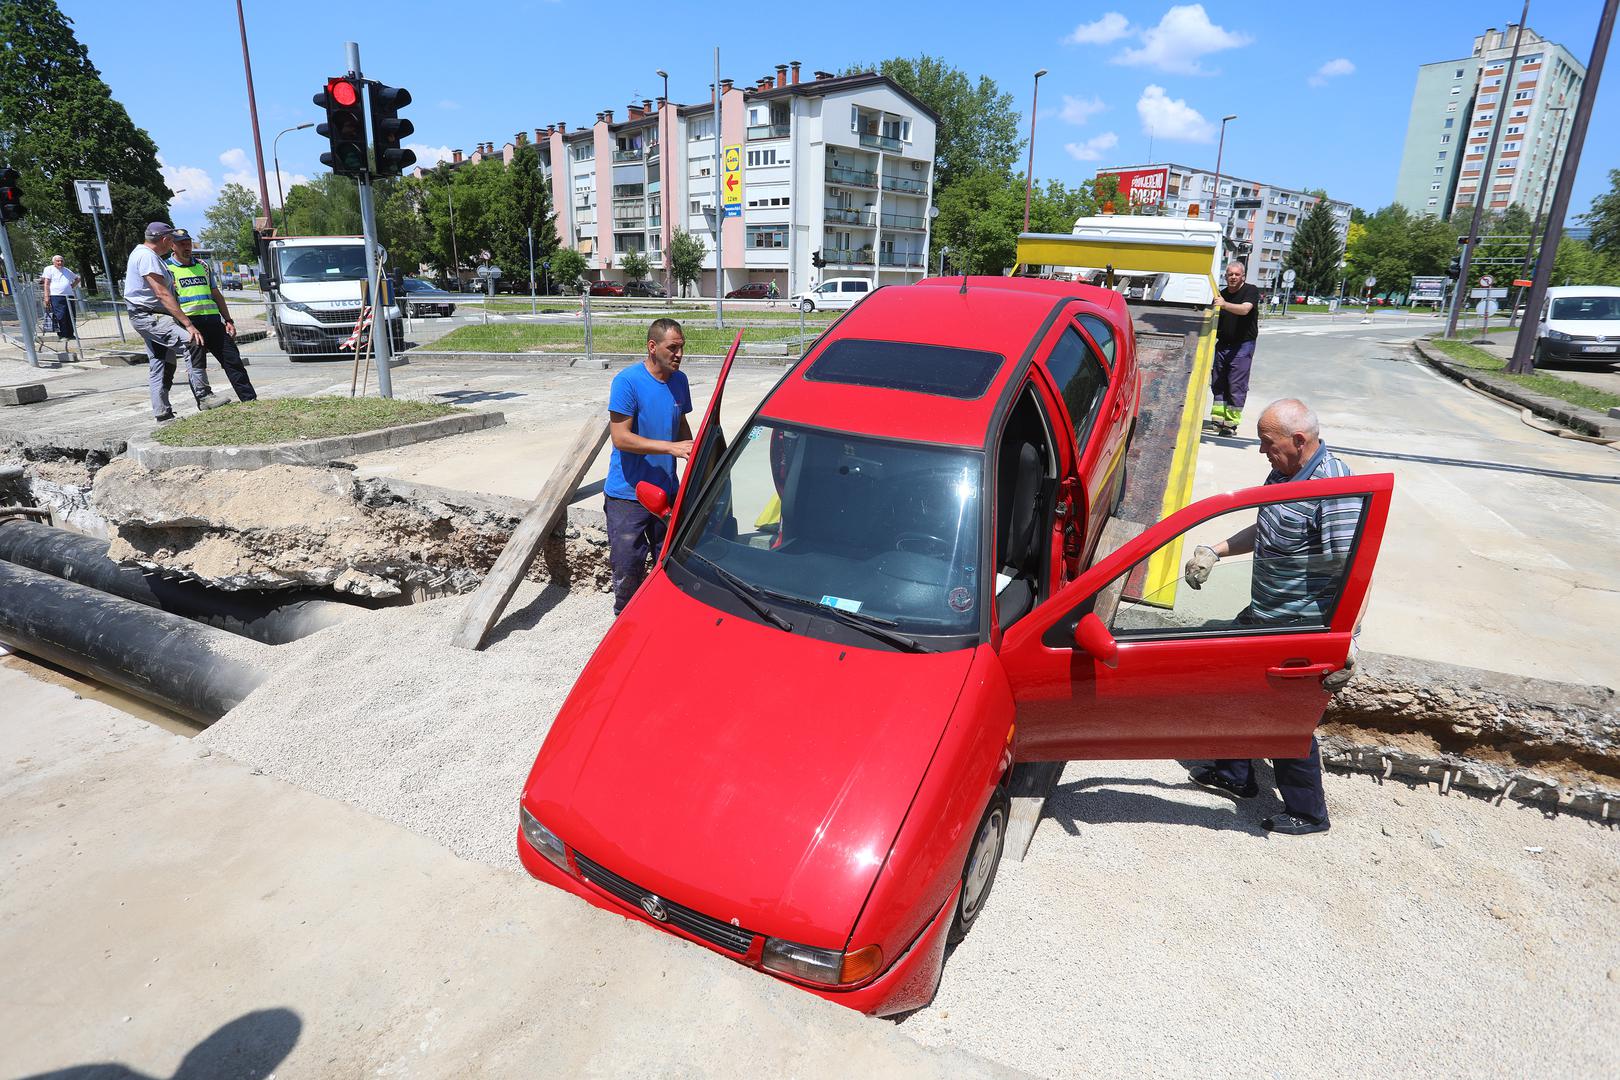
(1579, 324)
(834, 294)
(312, 293)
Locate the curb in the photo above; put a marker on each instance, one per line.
(1582, 420)
(600, 359)
(156, 457)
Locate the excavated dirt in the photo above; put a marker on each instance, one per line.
(288, 526)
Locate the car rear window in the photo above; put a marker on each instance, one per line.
(899, 365)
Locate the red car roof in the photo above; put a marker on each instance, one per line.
(996, 314)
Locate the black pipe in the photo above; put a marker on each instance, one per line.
(273, 620)
(172, 661)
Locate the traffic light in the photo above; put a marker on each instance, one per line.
(816, 260)
(1454, 271)
(345, 126)
(388, 130)
(11, 207)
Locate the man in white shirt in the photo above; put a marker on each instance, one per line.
(156, 316)
(59, 292)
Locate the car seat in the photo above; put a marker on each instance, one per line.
(1019, 487)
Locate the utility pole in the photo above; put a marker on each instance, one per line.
(533, 303)
(1541, 205)
(1481, 193)
(1524, 346)
(1029, 169)
(1215, 200)
(382, 336)
(253, 115)
(719, 206)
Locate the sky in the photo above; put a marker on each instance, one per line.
(1321, 92)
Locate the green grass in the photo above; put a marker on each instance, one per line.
(275, 420)
(605, 337)
(1575, 393)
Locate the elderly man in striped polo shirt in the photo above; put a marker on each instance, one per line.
(1301, 551)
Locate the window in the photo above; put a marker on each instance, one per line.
(1436, 186)
(1452, 107)
(921, 369)
(1450, 120)
(1432, 202)
(582, 151)
(1082, 381)
(1524, 95)
(1102, 334)
(700, 128)
(767, 236)
(1444, 139)
(1456, 89)
(854, 118)
(762, 157)
(774, 200)
(696, 206)
(1439, 169)
(1441, 156)
(1459, 74)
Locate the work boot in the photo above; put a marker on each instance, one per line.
(1293, 824)
(211, 401)
(166, 418)
(1229, 423)
(1206, 776)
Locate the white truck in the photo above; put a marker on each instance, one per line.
(312, 290)
(1158, 259)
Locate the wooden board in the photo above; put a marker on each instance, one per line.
(1031, 782)
(495, 591)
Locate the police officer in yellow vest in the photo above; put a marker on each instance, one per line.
(205, 306)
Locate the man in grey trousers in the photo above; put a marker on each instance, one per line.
(168, 333)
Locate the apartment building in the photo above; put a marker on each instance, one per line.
(835, 167)
(1454, 107)
(1261, 236)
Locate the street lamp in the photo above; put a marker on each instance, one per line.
(1215, 200)
(275, 155)
(1029, 171)
(664, 227)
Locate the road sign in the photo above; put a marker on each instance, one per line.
(1428, 289)
(1486, 281)
(1486, 308)
(1488, 294)
(1288, 277)
(88, 204)
(731, 183)
(1522, 283)
(1371, 281)
(486, 270)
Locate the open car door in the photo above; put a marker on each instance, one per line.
(1230, 670)
(708, 448)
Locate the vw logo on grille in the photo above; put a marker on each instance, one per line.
(654, 907)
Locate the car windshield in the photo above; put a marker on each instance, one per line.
(345, 262)
(1587, 308)
(876, 528)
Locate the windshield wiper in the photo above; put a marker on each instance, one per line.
(747, 592)
(871, 624)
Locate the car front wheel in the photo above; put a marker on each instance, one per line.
(984, 856)
(807, 306)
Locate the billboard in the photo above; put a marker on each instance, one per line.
(1141, 187)
(1428, 290)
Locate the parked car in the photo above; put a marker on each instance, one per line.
(834, 294)
(1579, 324)
(607, 288)
(645, 287)
(878, 593)
(230, 280)
(423, 298)
(754, 290)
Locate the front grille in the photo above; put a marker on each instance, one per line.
(726, 936)
(337, 315)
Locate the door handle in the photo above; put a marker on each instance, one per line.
(1300, 671)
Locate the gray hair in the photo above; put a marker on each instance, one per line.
(1239, 266)
(1294, 417)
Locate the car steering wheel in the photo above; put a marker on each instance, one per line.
(927, 544)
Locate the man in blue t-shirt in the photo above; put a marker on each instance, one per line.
(647, 409)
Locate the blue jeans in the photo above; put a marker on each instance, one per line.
(1299, 781)
(62, 316)
(634, 536)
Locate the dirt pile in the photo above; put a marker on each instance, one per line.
(288, 526)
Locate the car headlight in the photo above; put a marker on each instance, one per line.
(541, 838)
(827, 966)
(296, 306)
(1557, 335)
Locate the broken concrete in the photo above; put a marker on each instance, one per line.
(156, 456)
(26, 394)
(317, 526)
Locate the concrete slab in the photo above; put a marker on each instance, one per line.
(173, 913)
(156, 456)
(24, 394)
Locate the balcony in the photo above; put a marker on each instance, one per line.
(627, 155)
(768, 131)
(847, 256)
(905, 185)
(906, 260)
(881, 142)
(837, 174)
(905, 221)
(844, 215)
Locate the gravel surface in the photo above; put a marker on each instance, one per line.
(382, 712)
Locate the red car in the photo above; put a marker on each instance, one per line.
(607, 288)
(754, 290)
(793, 746)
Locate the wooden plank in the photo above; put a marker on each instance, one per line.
(1032, 782)
(495, 591)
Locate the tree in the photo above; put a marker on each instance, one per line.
(1604, 219)
(60, 123)
(1315, 253)
(403, 226)
(522, 201)
(978, 128)
(567, 266)
(328, 205)
(1394, 246)
(981, 215)
(634, 264)
(230, 224)
(1578, 262)
(686, 254)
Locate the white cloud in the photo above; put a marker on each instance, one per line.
(1331, 70)
(1092, 149)
(1165, 117)
(1079, 110)
(1111, 27)
(429, 156)
(196, 187)
(240, 169)
(1183, 36)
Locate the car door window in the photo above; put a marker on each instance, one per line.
(1102, 334)
(1291, 581)
(1082, 380)
(854, 286)
(830, 287)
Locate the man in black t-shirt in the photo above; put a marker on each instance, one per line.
(1235, 333)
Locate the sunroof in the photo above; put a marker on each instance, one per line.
(899, 365)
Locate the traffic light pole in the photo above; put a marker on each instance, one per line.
(382, 336)
(25, 320)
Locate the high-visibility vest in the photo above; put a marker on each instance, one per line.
(193, 288)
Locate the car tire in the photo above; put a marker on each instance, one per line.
(807, 306)
(979, 872)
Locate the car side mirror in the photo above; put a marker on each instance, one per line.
(656, 500)
(1093, 638)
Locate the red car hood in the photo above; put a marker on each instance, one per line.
(751, 774)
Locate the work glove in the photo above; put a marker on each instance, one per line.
(1198, 567)
(1334, 681)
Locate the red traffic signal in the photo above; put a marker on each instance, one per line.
(11, 207)
(345, 127)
